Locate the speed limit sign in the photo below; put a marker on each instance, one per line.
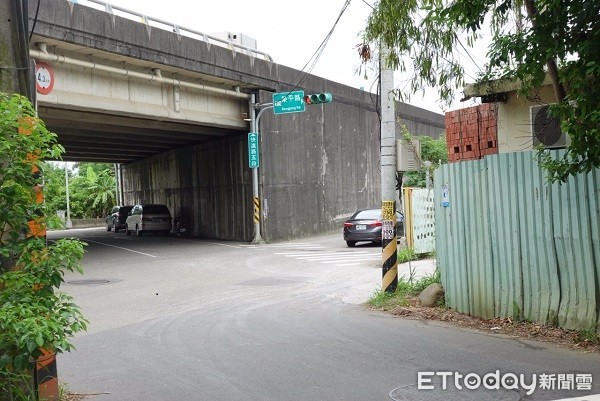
(387, 229)
(44, 78)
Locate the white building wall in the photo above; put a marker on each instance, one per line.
(514, 119)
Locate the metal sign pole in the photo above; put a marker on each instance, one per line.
(255, 196)
(255, 128)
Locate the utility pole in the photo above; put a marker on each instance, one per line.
(14, 54)
(389, 245)
(15, 74)
(117, 195)
(68, 223)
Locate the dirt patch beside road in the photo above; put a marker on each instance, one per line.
(502, 326)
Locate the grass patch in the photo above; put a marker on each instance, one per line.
(406, 255)
(405, 292)
(589, 335)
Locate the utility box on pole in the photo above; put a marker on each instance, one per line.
(408, 155)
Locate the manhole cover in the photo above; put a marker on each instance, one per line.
(90, 281)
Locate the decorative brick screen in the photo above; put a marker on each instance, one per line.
(472, 133)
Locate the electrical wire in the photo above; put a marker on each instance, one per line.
(20, 20)
(319, 51)
(372, 8)
(35, 20)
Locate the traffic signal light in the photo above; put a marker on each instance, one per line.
(318, 98)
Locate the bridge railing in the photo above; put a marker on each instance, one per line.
(169, 26)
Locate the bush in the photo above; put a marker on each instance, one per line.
(33, 314)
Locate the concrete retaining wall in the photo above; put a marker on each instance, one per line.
(207, 185)
(88, 223)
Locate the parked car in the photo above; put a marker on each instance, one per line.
(365, 225)
(117, 217)
(148, 218)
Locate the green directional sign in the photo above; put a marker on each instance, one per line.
(253, 156)
(288, 102)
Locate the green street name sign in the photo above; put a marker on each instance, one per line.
(253, 156)
(288, 102)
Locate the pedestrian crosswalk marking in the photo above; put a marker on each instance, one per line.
(297, 245)
(305, 251)
(342, 254)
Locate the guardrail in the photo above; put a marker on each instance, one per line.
(168, 26)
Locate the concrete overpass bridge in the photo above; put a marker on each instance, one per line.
(171, 105)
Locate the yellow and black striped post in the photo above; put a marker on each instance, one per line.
(389, 257)
(256, 210)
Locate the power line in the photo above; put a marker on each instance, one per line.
(35, 19)
(319, 51)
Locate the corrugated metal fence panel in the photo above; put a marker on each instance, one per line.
(510, 244)
(478, 248)
(538, 263)
(450, 243)
(504, 237)
(594, 199)
(575, 251)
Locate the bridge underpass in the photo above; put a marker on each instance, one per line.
(174, 132)
(101, 137)
(182, 165)
(178, 107)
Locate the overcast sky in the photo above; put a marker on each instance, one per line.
(290, 31)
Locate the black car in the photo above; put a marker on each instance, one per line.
(117, 217)
(365, 225)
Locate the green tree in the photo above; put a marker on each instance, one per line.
(432, 150)
(92, 190)
(531, 39)
(34, 315)
(54, 192)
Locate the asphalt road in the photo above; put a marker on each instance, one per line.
(184, 319)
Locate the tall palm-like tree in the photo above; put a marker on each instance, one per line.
(102, 188)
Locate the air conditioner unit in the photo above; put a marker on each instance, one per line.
(545, 129)
(408, 155)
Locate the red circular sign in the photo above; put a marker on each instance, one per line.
(44, 77)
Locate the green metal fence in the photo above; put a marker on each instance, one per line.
(511, 245)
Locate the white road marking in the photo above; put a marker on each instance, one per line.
(294, 254)
(347, 264)
(337, 257)
(304, 251)
(354, 259)
(120, 247)
(297, 245)
(230, 246)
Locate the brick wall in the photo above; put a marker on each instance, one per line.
(472, 133)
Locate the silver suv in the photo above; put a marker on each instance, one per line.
(150, 217)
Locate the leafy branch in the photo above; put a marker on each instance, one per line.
(34, 315)
(531, 40)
